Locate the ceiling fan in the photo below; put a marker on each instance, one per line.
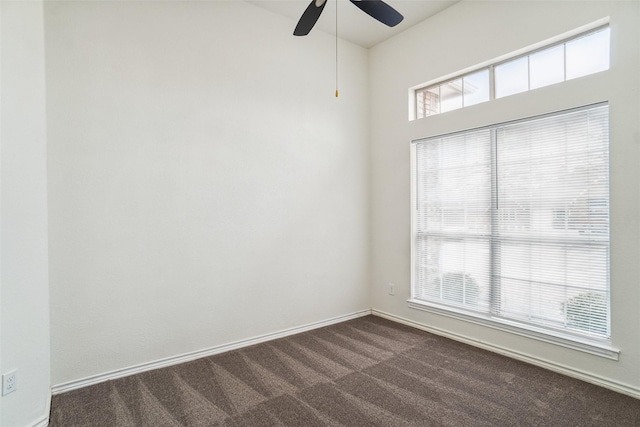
(377, 9)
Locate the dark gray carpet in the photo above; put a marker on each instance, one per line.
(363, 372)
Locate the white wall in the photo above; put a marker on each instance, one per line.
(24, 338)
(468, 34)
(205, 186)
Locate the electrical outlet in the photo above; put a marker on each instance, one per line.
(392, 289)
(9, 382)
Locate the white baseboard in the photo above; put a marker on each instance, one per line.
(552, 366)
(174, 360)
(43, 421)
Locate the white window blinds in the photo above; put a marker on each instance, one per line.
(511, 222)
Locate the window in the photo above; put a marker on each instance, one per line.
(511, 224)
(585, 54)
(468, 90)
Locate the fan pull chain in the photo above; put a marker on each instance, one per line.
(337, 48)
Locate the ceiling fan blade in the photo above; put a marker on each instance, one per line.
(309, 17)
(379, 10)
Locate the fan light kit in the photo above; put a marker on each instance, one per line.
(377, 9)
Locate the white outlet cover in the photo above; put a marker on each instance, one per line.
(9, 382)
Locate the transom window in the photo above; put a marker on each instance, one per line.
(585, 54)
(511, 224)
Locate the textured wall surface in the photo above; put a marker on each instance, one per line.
(24, 339)
(205, 185)
(472, 33)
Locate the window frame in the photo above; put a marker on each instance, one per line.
(593, 345)
(491, 67)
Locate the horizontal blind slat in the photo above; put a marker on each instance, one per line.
(538, 252)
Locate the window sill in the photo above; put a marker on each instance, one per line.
(574, 343)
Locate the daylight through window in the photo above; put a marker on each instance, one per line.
(511, 223)
(576, 57)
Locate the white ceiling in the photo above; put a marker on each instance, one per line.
(353, 24)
